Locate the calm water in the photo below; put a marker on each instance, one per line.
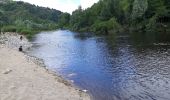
(110, 69)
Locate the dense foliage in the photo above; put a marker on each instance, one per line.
(26, 18)
(111, 16)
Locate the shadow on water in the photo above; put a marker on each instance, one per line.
(110, 68)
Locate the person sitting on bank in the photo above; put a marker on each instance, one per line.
(20, 48)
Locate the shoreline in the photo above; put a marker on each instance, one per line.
(12, 77)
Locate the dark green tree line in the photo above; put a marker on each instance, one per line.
(109, 16)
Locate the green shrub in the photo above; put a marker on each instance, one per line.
(103, 27)
(28, 33)
(25, 31)
(19, 29)
(9, 29)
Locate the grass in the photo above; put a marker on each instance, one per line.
(28, 32)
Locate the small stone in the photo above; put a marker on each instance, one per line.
(71, 75)
(71, 81)
(7, 71)
(84, 90)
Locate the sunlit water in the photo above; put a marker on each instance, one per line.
(110, 69)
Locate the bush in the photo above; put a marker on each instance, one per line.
(26, 31)
(103, 27)
(9, 29)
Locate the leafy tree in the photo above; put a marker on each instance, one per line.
(139, 8)
(64, 19)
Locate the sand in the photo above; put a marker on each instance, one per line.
(23, 79)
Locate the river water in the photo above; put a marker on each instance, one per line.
(109, 68)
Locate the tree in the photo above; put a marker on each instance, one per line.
(3, 19)
(64, 19)
(75, 20)
(139, 8)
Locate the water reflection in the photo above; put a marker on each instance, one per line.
(110, 68)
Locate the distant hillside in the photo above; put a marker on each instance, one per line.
(20, 16)
(24, 11)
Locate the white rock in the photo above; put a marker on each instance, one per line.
(84, 90)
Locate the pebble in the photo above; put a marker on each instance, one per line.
(71, 75)
(71, 81)
(7, 71)
(84, 90)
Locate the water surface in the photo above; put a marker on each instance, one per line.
(109, 68)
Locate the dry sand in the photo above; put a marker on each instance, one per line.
(22, 79)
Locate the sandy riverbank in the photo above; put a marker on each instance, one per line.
(23, 79)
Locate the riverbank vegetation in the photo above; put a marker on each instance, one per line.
(114, 16)
(27, 19)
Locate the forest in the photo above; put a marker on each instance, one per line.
(115, 16)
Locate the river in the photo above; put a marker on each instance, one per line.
(109, 68)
